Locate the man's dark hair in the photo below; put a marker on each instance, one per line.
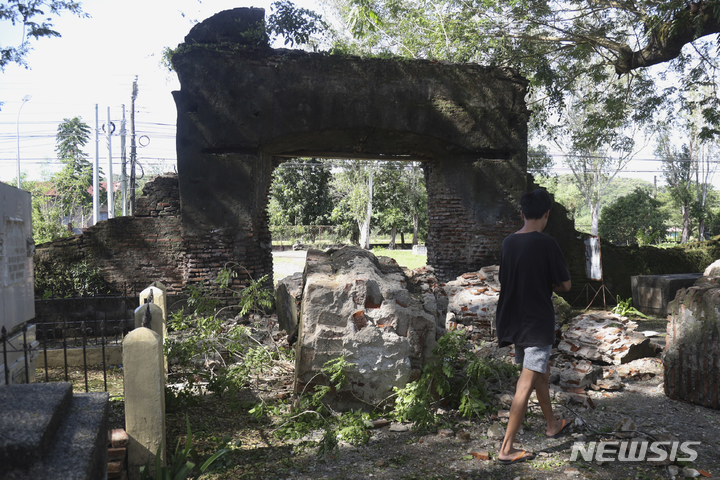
(534, 204)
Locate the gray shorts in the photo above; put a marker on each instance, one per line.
(533, 358)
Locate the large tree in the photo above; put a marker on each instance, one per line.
(73, 182)
(636, 218)
(35, 18)
(562, 47)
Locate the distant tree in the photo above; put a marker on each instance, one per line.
(73, 182)
(35, 17)
(539, 162)
(400, 200)
(678, 173)
(369, 193)
(636, 218)
(354, 191)
(300, 193)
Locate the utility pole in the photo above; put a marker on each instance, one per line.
(133, 156)
(110, 196)
(123, 163)
(96, 170)
(25, 99)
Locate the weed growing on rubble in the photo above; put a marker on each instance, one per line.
(310, 412)
(624, 308)
(455, 378)
(255, 297)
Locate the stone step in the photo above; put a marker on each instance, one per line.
(73, 449)
(30, 414)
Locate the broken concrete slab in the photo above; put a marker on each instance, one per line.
(359, 306)
(605, 337)
(580, 375)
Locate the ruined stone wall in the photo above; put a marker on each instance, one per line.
(469, 216)
(128, 250)
(691, 361)
(243, 107)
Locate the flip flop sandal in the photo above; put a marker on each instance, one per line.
(563, 430)
(520, 457)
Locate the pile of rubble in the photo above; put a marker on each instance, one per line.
(595, 351)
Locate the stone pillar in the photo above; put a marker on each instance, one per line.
(691, 361)
(159, 294)
(144, 383)
(157, 323)
(473, 204)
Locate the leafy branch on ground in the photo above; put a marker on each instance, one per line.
(256, 297)
(454, 378)
(208, 352)
(311, 412)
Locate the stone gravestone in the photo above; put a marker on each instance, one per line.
(144, 385)
(159, 298)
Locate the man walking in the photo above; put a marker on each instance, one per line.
(532, 266)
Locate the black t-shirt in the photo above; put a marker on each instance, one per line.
(530, 264)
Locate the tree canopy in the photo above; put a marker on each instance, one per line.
(598, 49)
(634, 218)
(76, 177)
(35, 17)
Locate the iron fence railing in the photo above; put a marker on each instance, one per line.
(74, 325)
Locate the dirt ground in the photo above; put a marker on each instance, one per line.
(396, 452)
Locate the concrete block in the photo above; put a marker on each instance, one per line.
(29, 416)
(652, 293)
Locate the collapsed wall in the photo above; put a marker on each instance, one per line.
(125, 251)
(363, 308)
(691, 361)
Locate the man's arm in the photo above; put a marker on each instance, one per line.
(563, 287)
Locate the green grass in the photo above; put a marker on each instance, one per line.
(404, 258)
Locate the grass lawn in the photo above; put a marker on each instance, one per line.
(404, 258)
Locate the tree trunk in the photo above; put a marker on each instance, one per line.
(686, 224)
(595, 210)
(402, 239)
(416, 226)
(365, 227)
(393, 234)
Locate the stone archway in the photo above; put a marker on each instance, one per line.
(243, 106)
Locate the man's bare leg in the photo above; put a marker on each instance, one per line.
(525, 386)
(542, 390)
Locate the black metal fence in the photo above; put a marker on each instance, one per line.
(69, 325)
(80, 335)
